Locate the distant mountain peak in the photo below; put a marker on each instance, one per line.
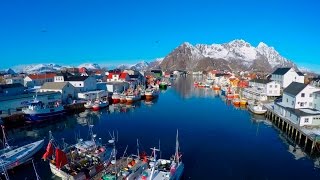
(186, 56)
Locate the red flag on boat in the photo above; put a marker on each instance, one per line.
(49, 151)
(61, 158)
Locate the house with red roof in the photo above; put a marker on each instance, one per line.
(118, 77)
(38, 79)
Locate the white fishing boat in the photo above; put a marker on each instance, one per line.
(257, 108)
(38, 110)
(13, 157)
(133, 96)
(98, 104)
(88, 104)
(151, 93)
(115, 97)
(164, 169)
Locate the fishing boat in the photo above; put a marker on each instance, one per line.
(196, 83)
(82, 161)
(163, 85)
(13, 157)
(98, 104)
(115, 97)
(142, 94)
(129, 168)
(164, 169)
(243, 101)
(123, 97)
(88, 104)
(257, 109)
(236, 101)
(133, 96)
(151, 93)
(216, 87)
(38, 110)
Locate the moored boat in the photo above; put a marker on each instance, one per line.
(164, 169)
(12, 157)
(216, 87)
(115, 97)
(163, 85)
(151, 93)
(123, 97)
(81, 161)
(243, 101)
(38, 111)
(133, 96)
(236, 101)
(257, 108)
(88, 104)
(98, 104)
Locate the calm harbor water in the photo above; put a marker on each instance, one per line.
(217, 140)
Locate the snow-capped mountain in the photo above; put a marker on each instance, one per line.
(90, 66)
(140, 66)
(37, 68)
(237, 52)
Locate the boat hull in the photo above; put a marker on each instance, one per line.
(257, 111)
(43, 116)
(24, 157)
(163, 86)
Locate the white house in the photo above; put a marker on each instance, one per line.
(66, 89)
(285, 76)
(38, 79)
(118, 77)
(83, 83)
(297, 105)
(15, 80)
(262, 89)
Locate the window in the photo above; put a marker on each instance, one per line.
(275, 86)
(287, 100)
(270, 86)
(292, 103)
(302, 94)
(310, 95)
(306, 120)
(310, 103)
(301, 104)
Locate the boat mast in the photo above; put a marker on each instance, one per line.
(177, 148)
(35, 170)
(154, 161)
(5, 141)
(138, 152)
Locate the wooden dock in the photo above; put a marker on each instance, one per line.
(309, 142)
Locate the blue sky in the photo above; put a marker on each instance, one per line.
(126, 31)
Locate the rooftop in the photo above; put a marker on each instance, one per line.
(76, 78)
(281, 71)
(54, 85)
(7, 86)
(294, 88)
(261, 81)
(42, 76)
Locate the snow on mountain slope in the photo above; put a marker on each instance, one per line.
(89, 66)
(37, 68)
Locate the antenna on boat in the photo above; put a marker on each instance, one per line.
(117, 135)
(159, 149)
(125, 151)
(138, 152)
(5, 141)
(35, 171)
(153, 163)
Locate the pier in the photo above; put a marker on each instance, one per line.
(303, 137)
